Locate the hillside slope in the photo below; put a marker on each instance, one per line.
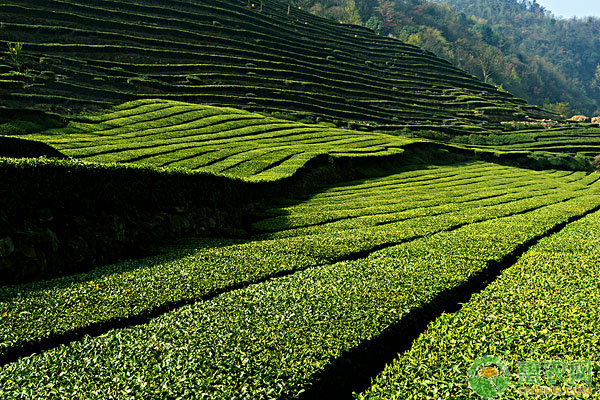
(314, 310)
(516, 44)
(80, 54)
(163, 133)
(237, 143)
(562, 55)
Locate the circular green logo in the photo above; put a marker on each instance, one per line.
(489, 377)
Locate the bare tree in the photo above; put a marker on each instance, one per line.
(488, 59)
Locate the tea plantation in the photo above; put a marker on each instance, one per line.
(166, 133)
(581, 139)
(235, 199)
(264, 318)
(538, 309)
(233, 53)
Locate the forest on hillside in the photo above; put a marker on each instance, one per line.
(517, 45)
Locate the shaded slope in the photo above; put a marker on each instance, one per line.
(16, 148)
(95, 53)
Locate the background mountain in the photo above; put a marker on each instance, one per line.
(516, 44)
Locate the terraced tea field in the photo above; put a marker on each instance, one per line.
(82, 54)
(538, 309)
(346, 232)
(582, 140)
(237, 143)
(307, 307)
(565, 140)
(211, 139)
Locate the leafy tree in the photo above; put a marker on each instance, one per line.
(596, 82)
(375, 24)
(596, 163)
(351, 14)
(567, 49)
(487, 33)
(563, 109)
(387, 13)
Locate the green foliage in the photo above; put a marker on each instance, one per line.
(374, 24)
(351, 14)
(242, 144)
(564, 144)
(204, 138)
(331, 226)
(520, 317)
(561, 53)
(272, 338)
(487, 34)
(596, 81)
(563, 109)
